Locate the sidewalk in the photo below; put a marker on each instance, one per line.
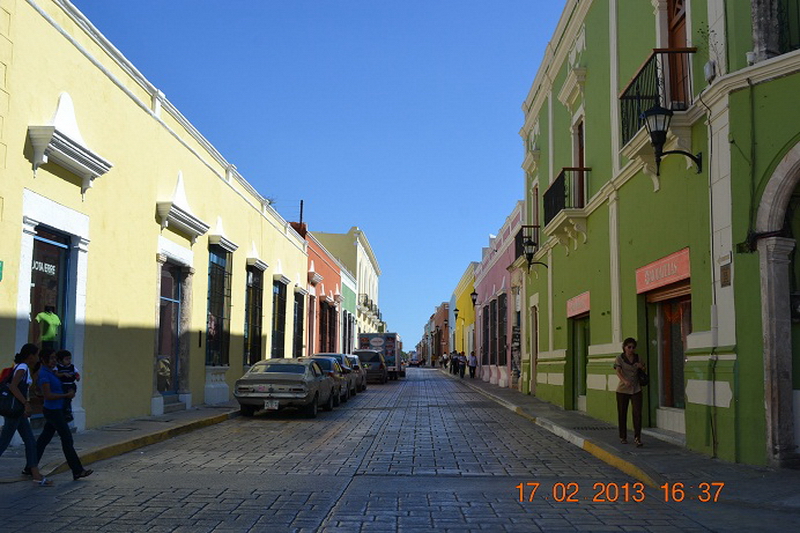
(108, 441)
(658, 461)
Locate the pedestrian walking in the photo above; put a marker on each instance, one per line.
(473, 364)
(68, 374)
(462, 364)
(627, 366)
(53, 411)
(19, 383)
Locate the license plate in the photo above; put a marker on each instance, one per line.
(271, 405)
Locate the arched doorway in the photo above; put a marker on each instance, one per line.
(775, 261)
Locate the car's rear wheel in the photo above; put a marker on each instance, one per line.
(247, 410)
(313, 408)
(337, 397)
(329, 403)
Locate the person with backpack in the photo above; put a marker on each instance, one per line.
(18, 383)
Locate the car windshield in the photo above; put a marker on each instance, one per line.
(282, 368)
(370, 357)
(326, 364)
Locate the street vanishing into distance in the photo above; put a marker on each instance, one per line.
(424, 453)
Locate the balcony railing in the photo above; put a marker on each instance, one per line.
(525, 233)
(664, 79)
(568, 191)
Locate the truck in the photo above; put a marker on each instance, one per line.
(390, 345)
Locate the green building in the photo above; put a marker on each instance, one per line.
(693, 255)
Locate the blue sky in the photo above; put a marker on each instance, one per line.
(399, 117)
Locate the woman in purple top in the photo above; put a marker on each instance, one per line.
(53, 412)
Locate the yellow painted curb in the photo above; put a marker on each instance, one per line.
(106, 452)
(619, 463)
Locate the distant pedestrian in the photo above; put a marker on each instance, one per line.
(462, 364)
(53, 412)
(473, 364)
(627, 366)
(20, 381)
(454, 363)
(68, 375)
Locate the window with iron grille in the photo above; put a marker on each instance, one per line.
(502, 329)
(493, 332)
(278, 319)
(252, 315)
(299, 311)
(485, 336)
(219, 306)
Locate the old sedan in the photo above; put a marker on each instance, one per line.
(359, 370)
(277, 383)
(352, 376)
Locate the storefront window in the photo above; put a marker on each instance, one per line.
(299, 311)
(49, 281)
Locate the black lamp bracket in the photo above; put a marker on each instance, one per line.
(697, 159)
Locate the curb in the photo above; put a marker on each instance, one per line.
(112, 450)
(596, 449)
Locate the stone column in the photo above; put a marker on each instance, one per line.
(776, 327)
(184, 392)
(766, 30)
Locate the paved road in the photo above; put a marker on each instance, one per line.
(422, 454)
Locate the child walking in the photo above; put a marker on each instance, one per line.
(68, 375)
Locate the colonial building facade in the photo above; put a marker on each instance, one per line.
(692, 253)
(127, 238)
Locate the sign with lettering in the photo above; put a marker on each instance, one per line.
(578, 305)
(41, 266)
(675, 267)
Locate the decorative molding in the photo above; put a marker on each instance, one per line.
(568, 227)
(176, 213)
(60, 142)
(314, 277)
(573, 87)
(220, 239)
(531, 161)
(254, 261)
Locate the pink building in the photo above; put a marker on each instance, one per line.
(495, 307)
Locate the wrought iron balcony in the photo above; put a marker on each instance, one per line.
(525, 234)
(664, 79)
(568, 191)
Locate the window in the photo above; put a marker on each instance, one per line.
(327, 327)
(299, 311)
(278, 319)
(485, 337)
(49, 288)
(168, 356)
(219, 306)
(253, 315)
(502, 330)
(493, 332)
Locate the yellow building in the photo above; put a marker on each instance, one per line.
(168, 271)
(462, 312)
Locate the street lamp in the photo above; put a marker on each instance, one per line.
(455, 312)
(474, 296)
(656, 120)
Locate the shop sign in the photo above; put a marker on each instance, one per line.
(47, 268)
(578, 305)
(670, 269)
(1, 271)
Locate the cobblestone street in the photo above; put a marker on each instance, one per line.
(425, 453)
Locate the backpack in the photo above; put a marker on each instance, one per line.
(6, 374)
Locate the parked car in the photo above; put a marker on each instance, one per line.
(334, 370)
(374, 364)
(278, 383)
(359, 370)
(352, 377)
